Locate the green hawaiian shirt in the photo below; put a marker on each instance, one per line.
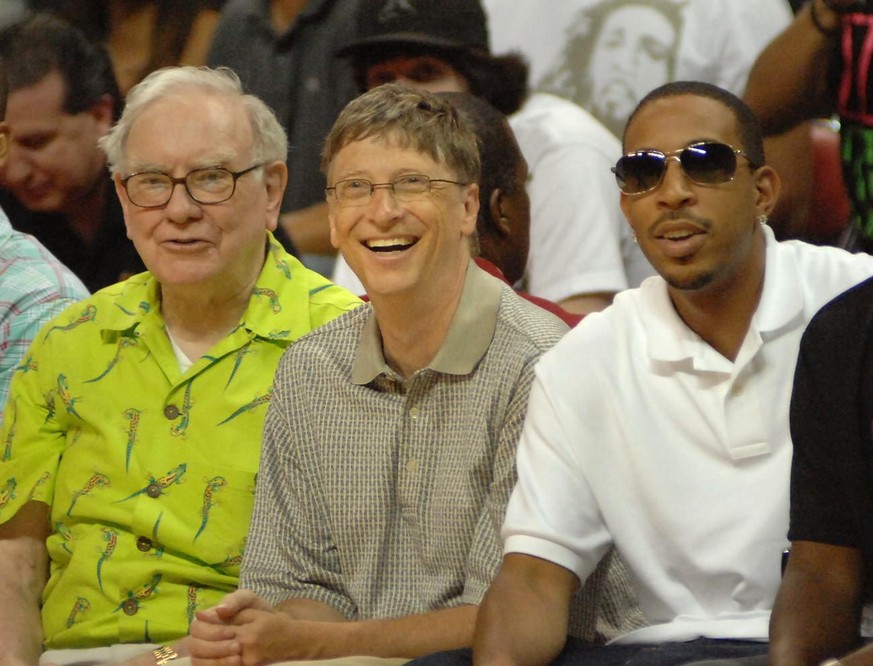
(150, 472)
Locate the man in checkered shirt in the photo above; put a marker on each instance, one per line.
(389, 444)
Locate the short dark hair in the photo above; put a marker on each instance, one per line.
(499, 158)
(747, 122)
(34, 48)
(499, 80)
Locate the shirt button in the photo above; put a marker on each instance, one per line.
(144, 544)
(413, 413)
(171, 412)
(412, 466)
(153, 490)
(130, 607)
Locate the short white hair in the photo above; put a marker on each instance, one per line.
(270, 143)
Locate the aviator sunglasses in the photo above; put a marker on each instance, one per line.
(705, 163)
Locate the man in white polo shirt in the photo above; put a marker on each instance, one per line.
(660, 426)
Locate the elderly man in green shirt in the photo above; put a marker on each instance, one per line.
(132, 435)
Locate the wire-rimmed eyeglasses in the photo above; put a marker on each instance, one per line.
(409, 187)
(209, 185)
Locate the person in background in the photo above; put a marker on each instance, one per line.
(56, 187)
(132, 434)
(503, 222)
(824, 601)
(34, 285)
(142, 36)
(283, 52)
(384, 476)
(819, 66)
(581, 250)
(605, 55)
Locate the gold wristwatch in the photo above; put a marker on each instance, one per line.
(164, 654)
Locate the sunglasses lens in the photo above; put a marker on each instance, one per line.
(640, 172)
(709, 163)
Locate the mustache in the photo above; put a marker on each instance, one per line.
(682, 216)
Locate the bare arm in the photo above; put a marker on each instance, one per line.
(199, 38)
(862, 657)
(23, 575)
(523, 618)
(818, 608)
(791, 155)
(410, 636)
(789, 81)
(243, 626)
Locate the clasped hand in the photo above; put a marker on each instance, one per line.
(243, 630)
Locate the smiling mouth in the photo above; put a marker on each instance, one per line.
(383, 245)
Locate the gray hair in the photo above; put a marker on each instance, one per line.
(270, 143)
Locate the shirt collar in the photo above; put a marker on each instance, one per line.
(782, 301)
(781, 304)
(270, 313)
(468, 338)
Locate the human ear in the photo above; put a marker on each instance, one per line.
(4, 142)
(121, 193)
(497, 212)
(275, 181)
(768, 186)
(471, 209)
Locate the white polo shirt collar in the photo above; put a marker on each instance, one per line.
(780, 308)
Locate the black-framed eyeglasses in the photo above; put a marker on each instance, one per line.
(209, 185)
(409, 187)
(705, 163)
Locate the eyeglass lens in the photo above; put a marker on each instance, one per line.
(704, 163)
(153, 189)
(405, 188)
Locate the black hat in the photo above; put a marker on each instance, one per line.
(452, 24)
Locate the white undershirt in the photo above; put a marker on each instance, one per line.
(181, 356)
